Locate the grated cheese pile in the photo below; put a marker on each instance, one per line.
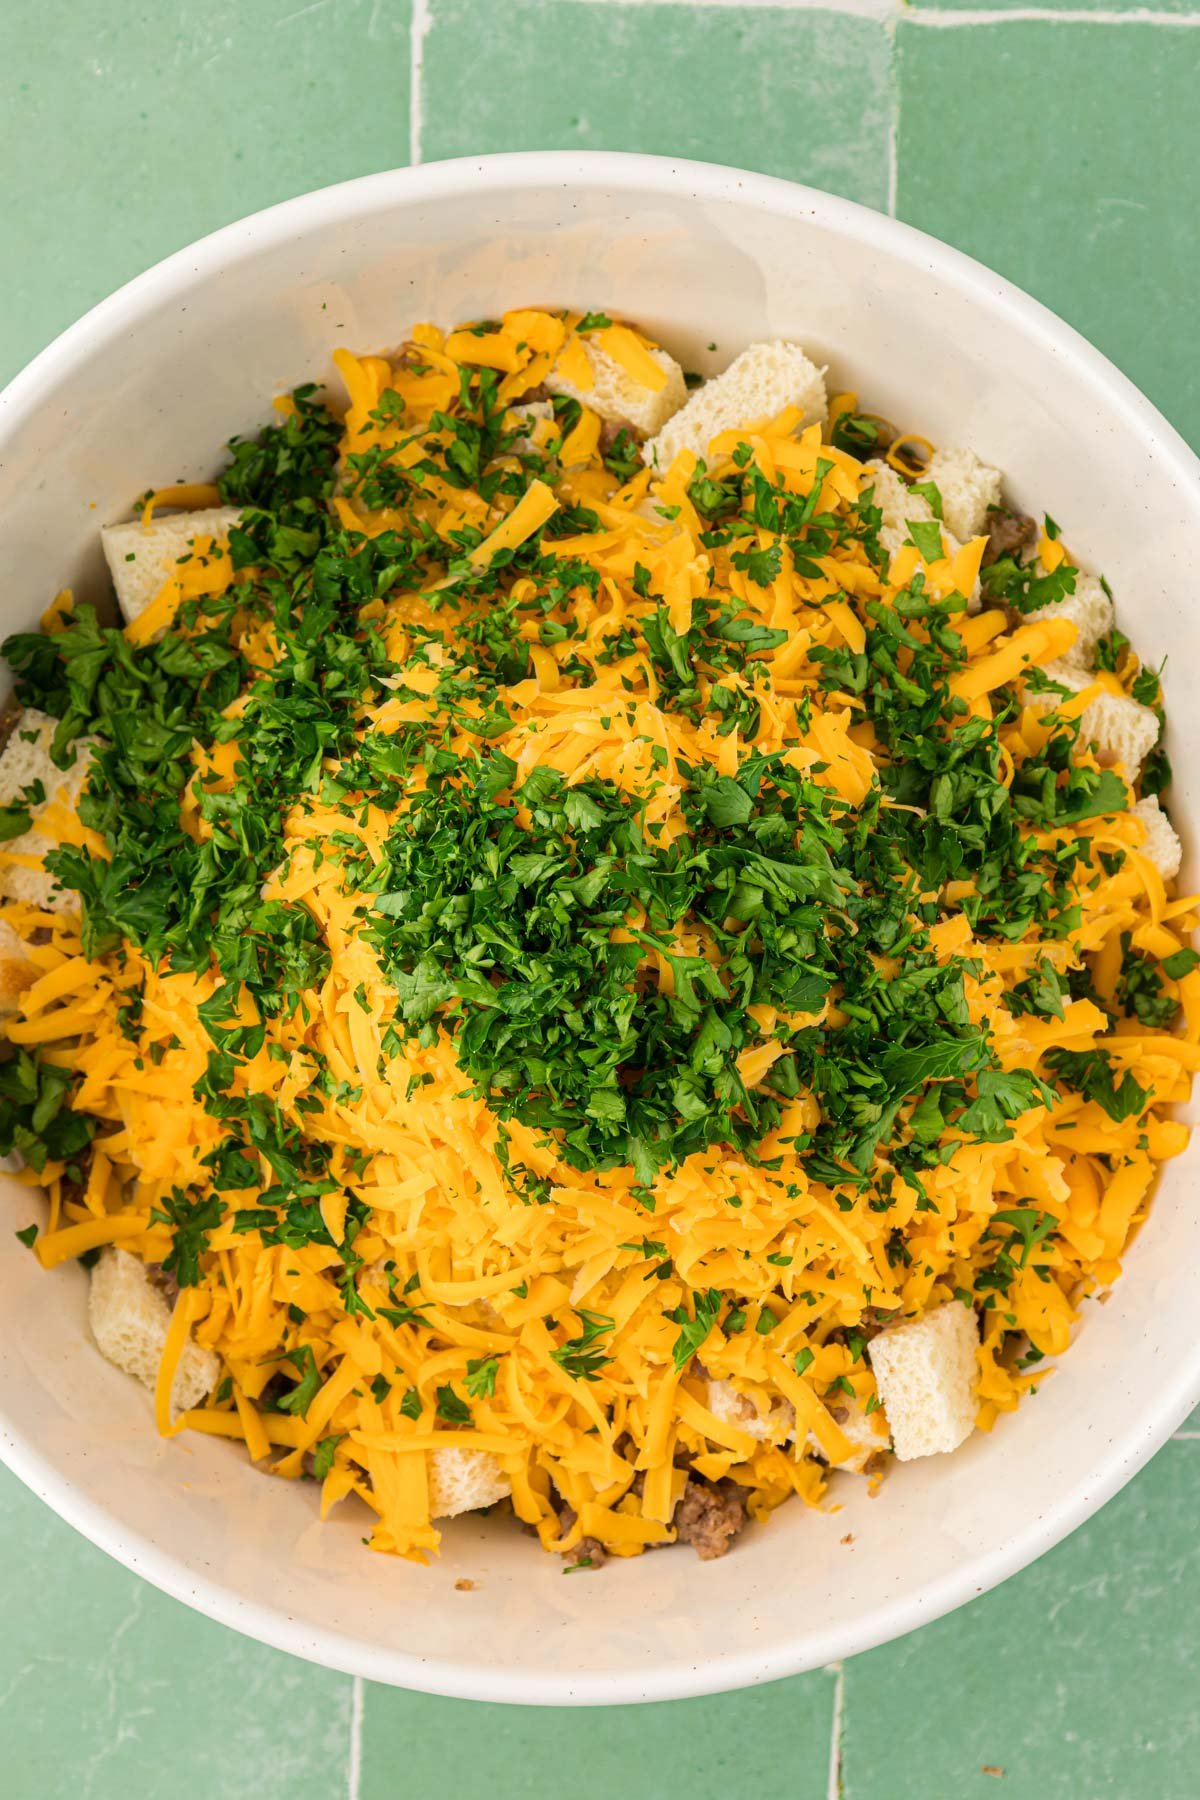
(454, 1278)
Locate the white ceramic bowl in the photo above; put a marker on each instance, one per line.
(147, 388)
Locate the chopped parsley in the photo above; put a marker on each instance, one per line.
(307, 1387)
(695, 1325)
(736, 953)
(579, 1357)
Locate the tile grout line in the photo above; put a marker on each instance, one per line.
(893, 167)
(354, 1765)
(418, 30)
(938, 20)
(861, 9)
(833, 1787)
(890, 12)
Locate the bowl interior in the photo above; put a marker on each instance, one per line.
(146, 390)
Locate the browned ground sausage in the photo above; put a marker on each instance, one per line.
(709, 1517)
(1008, 532)
(533, 395)
(588, 1551)
(611, 430)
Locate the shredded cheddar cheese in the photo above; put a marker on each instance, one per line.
(404, 1234)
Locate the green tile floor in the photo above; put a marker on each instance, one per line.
(1058, 143)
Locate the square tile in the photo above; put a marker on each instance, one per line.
(139, 129)
(110, 1690)
(763, 1740)
(1062, 155)
(1166, 7)
(1077, 1678)
(791, 91)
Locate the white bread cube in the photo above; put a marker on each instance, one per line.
(528, 414)
(1122, 730)
(926, 1373)
(464, 1481)
(898, 504)
(867, 1431)
(757, 385)
(733, 1408)
(24, 760)
(16, 971)
(130, 1319)
(778, 1426)
(142, 558)
(621, 400)
(1090, 611)
(1162, 846)
(968, 488)
(459, 1480)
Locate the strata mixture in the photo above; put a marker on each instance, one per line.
(584, 949)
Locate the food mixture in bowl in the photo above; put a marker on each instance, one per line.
(586, 949)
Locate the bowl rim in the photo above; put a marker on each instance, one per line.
(653, 176)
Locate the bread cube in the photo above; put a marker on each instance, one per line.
(757, 385)
(733, 1408)
(130, 1319)
(1162, 846)
(621, 400)
(1123, 730)
(142, 558)
(968, 488)
(1091, 612)
(464, 1481)
(926, 1373)
(25, 760)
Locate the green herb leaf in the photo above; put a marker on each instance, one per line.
(323, 1455)
(926, 534)
(577, 1357)
(451, 1407)
(1090, 1072)
(307, 1387)
(696, 1325)
(481, 1377)
(191, 1217)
